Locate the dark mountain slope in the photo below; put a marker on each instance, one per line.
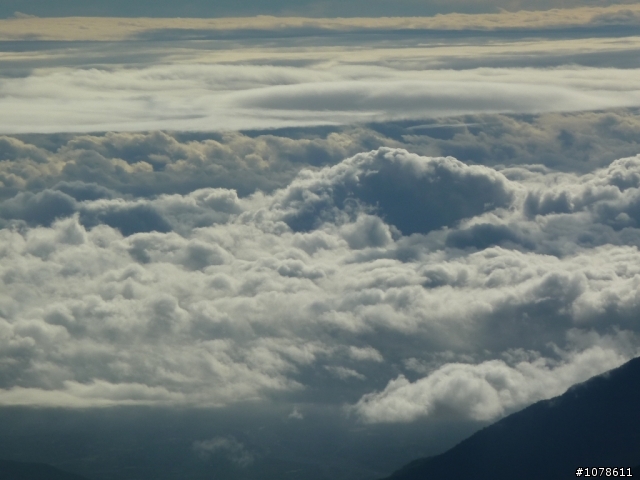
(33, 471)
(593, 424)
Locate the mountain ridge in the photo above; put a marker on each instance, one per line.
(12, 470)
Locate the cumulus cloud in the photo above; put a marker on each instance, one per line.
(482, 391)
(41, 208)
(412, 193)
(134, 165)
(578, 142)
(92, 167)
(522, 286)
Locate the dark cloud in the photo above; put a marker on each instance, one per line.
(537, 204)
(38, 208)
(413, 194)
(81, 191)
(13, 149)
(49, 205)
(486, 235)
(129, 219)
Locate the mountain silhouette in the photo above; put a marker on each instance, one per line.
(593, 424)
(33, 471)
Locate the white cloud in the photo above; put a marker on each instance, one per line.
(365, 354)
(295, 414)
(231, 304)
(484, 391)
(344, 373)
(231, 97)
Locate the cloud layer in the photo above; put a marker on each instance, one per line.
(141, 165)
(29, 27)
(268, 72)
(493, 266)
(215, 97)
(525, 286)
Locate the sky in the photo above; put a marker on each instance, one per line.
(304, 239)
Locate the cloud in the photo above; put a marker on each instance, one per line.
(228, 446)
(129, 219)
(365, 354)
(95, 394)
(231, 97)
(412, 193)
(485, 235)
(497, 302)
(483, 391)
(133, 165)
(578, 142)
(22, 15)
(344, 373)
(91, 167)
(341, 73)
(423, 224)
(40, 208)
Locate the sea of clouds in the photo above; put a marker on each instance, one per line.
(340, 229)
(424, 285)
